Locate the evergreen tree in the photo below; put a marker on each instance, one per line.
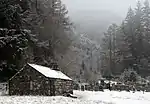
(109, 48)
(146, 28)
(146, 18)
(14, 40)
(129, 30)
(56, 30)
(10, 14)
(132, 40)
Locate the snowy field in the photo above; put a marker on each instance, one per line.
(85, 97)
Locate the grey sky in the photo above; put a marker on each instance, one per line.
(117, 6)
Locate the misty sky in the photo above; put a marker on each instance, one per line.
(117, 6)
(94, 16)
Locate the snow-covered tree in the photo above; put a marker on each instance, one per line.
(129, 75)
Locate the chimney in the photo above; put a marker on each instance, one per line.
(54, 66)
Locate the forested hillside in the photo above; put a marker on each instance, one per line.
(127, 46)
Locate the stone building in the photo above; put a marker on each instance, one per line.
(35, 80)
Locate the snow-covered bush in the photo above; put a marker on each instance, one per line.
(129, 75)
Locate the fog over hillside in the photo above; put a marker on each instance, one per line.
(94, 16)
(94, 22)
(116, 6)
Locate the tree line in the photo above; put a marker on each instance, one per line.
(126, 46)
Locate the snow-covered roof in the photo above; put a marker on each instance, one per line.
(49, 72)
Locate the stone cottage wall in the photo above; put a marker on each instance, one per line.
(63, 86)
(29, 82)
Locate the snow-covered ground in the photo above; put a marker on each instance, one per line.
(85, 97)
(114, 97)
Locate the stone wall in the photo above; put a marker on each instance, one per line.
(63, 86)
(28, 82)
